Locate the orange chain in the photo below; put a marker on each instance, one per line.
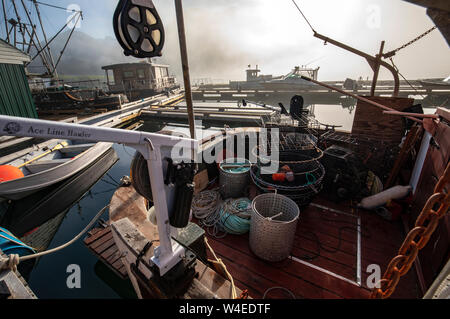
(416, 239)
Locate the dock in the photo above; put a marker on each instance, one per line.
(224, 112)
(13, 285)
(318, 94)
(101, 243)
(12, 147)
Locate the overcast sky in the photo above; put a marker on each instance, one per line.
(224, 36)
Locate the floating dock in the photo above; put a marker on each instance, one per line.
(224, 112)
(101, 243)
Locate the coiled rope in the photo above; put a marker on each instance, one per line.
(231, 216)
(13, 260)
(235, 216)
(205, 203)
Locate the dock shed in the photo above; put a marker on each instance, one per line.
(15, 94)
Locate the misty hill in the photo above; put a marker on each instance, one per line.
(85, 55)
(209, 56)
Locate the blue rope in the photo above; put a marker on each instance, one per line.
(314, 179)
(240, 169)
(230, 222)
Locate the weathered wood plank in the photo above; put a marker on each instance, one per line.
(106, 251)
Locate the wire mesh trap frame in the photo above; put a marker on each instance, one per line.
(306, 185)
(297, 148)
(234, 181)
(273, 225)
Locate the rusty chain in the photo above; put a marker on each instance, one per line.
(393, 52)
(416, 239)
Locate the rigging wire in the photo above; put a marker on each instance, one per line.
(53, 6)
(304, 17)
(393, 52)
(396, 69)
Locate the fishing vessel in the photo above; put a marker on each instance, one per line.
(290, 81)
(291, 208)
(139, 80)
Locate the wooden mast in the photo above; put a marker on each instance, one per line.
(376, 69)
(185, 66)
(372, 60)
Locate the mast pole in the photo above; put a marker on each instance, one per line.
(20, 25)
(52, 62)
(370, 59)
(6, 21)
(376, 69)
(185, 66)
(36, 43)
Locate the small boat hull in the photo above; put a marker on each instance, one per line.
(22, 187)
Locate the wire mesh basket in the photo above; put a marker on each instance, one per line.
(234, 176)
(273, 225)
(308, 173)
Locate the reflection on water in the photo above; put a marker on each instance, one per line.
(48, 278)
(333, 114)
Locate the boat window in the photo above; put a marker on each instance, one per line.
(128, 74)
(141, 74)
(110, 77)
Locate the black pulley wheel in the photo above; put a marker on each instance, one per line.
(138, 28)
(140, 178)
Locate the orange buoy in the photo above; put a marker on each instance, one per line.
(279, 177)
(8, 173)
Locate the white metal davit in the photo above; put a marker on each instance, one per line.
(154, 148)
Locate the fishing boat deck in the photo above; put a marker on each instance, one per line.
(326, 261)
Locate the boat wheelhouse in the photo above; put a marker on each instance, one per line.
(139, 80)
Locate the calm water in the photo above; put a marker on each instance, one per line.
(48, 278)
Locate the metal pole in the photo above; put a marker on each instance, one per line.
(6, 21)
(67, 42)
(38, 46)
(185, 66)
(52, 62)
(20, 25)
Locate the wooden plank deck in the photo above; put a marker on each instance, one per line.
(328, 272)
(101, 243)
(326, 261)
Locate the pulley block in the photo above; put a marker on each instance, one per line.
(138, 28)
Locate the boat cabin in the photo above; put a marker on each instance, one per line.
(139, 80)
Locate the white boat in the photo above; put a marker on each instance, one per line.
(55, 160)
(49, 165)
